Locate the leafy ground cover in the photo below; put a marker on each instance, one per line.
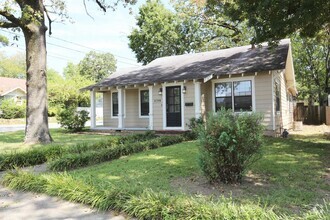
(292, 180)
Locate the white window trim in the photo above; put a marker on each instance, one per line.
(235, 79)
(143, 89)
(164, 85)
(124, 105)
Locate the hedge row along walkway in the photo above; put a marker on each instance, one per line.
(25, 205)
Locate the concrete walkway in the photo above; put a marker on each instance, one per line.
(22, 205)
(25, 205)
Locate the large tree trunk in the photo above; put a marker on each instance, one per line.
(36, 130)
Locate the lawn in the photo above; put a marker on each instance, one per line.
(13, 141)
(291, 176)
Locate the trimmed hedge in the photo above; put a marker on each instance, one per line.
(44, 154)
(145, 205)
(73, 161)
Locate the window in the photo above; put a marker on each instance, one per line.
(115, 104)
(235, 95)
(277, 95)
(144, 103)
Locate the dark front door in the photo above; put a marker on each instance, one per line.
(173, 106)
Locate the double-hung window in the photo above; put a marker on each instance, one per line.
(115, 104)
(144, 103)
(236, 95)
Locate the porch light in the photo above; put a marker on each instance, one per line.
(160, 91)
(184, 90)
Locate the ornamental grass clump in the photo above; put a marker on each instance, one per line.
(229, 142)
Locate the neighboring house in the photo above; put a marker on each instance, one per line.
(11, 88)
(167, 92)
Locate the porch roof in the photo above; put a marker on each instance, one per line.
(235, 60)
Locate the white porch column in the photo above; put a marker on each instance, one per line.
(120, 107)
(93, 109)
(151, 110)
(197, 99)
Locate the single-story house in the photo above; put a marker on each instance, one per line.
(169, 91)
(12, 88)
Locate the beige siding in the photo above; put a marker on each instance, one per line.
(157, 107)
(132, 118)
(207, 102)
(108, 121)
(286, 113)
(263, 98)
(189, 97)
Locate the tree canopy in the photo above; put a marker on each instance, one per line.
(273, 20)
(30, 18)
(12, 66)
(96, 66)
(189, 28)
(312, 66)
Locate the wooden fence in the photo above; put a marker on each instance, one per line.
(310, 115)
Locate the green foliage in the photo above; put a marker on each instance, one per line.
(189, 28)
(194, 124)
(128, 146)
(63, 93)
(143, 205)
(229, 143)
(71, 119)
(9, 109)
(311, 58)
(274, 20)
(4, 41)
(47, 153)
(96, 66)
(12, 66)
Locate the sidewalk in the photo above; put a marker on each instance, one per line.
(25, 205)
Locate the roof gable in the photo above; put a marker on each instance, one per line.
(10, 84)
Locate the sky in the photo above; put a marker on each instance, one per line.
(70, 41)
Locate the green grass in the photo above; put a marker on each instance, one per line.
(13, 141)
(151, 169)
(290, 178)
(291, 174)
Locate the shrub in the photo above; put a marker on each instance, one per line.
(9, 109)
(72, 120)
(193, 125)
(229, 143)
(74, 160)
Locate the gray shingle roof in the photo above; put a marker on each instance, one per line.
(235, 60)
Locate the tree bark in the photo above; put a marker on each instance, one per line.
(36, 130)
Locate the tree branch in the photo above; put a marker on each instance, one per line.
(7, 25)
(10, 18)
(49, 20)
(87, 10)
(101, 5)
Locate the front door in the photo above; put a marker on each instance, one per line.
(173, 106)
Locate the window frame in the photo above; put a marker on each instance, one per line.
(232, 80)
(114, 116)
(140, 103)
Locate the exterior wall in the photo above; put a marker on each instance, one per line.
(263, 93)
(189, 97)
(108, 121)
(286, 104)
(157, 107)
(17, 95)
(206, 105)
(262, 96)
(131, 115)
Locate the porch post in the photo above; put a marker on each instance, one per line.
(151, 110)
(197, 99)
(93, 110)
(120, 108)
